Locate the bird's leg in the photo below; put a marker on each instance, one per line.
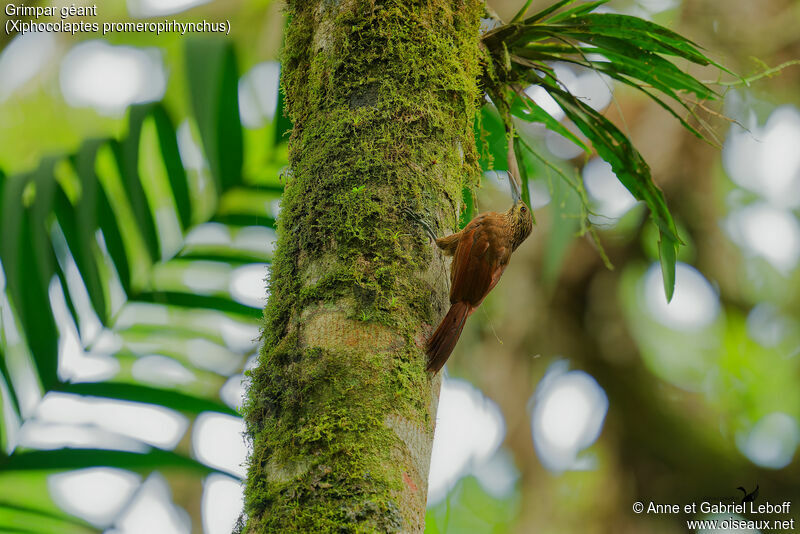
(417, 218)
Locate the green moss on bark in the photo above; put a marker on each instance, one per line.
(382, 96)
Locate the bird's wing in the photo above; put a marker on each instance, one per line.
(478, 263)
(449, 243)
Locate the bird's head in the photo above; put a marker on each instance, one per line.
(521, 222)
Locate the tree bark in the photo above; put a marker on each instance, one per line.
(341, 412)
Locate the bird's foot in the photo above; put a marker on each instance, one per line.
(417, 218)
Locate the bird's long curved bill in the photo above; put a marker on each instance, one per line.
(513, 171)
(516, 188)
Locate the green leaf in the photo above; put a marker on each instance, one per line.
(566, 53)
(525, 108)
(521, 12)
(15, 530)
(64, 459)
(576, 11)
(30, 506)
(630, 168)
(39, 218)
(213, 78)
(641, 31)
(166, 161)
(116, 186)
(667, 255)
(490, 136)
(200, 301)
(468, 213)
(647, 66)
(146, 394)
(547, 11)
(638, 40)
(78, 223)
(26, 274)
(17, 519)
(5, 376)
(632, 46)
(7, 395)
(132, 181)
(625, 56)
(123, 239)
(614, 147)
(662, 104)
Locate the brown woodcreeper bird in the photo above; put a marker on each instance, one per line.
(481, 252)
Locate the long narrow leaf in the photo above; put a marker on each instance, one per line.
(39, 217)
(612, 145)
(576, 11)
(200, 301)
(132, 182)
(79, 223)
(521, 12)
(16, 518)
(638, 39)
(631, 170)
(171, 159)
(668, 257)
(212, 74)
(525, 108)
(26, 284)
(10, 411)
(124, 241)
(623, 57)
(626, 26)
(4, 373)
(647, 66)
(63, 459)
(140, 393)
(567, 54)
(658, 101)
(547, 11)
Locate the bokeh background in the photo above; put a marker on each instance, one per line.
(575, 391)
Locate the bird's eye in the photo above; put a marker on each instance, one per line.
(523, 208)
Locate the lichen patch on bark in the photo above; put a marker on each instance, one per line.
(328, 327)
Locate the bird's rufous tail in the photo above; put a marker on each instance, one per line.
(442, 342)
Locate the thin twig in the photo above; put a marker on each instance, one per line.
(764, 74)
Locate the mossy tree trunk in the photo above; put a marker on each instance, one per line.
(341, 411)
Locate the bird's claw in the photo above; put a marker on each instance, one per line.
(417, 218)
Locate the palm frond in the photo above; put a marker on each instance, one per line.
(628, 49)
(104, 241)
